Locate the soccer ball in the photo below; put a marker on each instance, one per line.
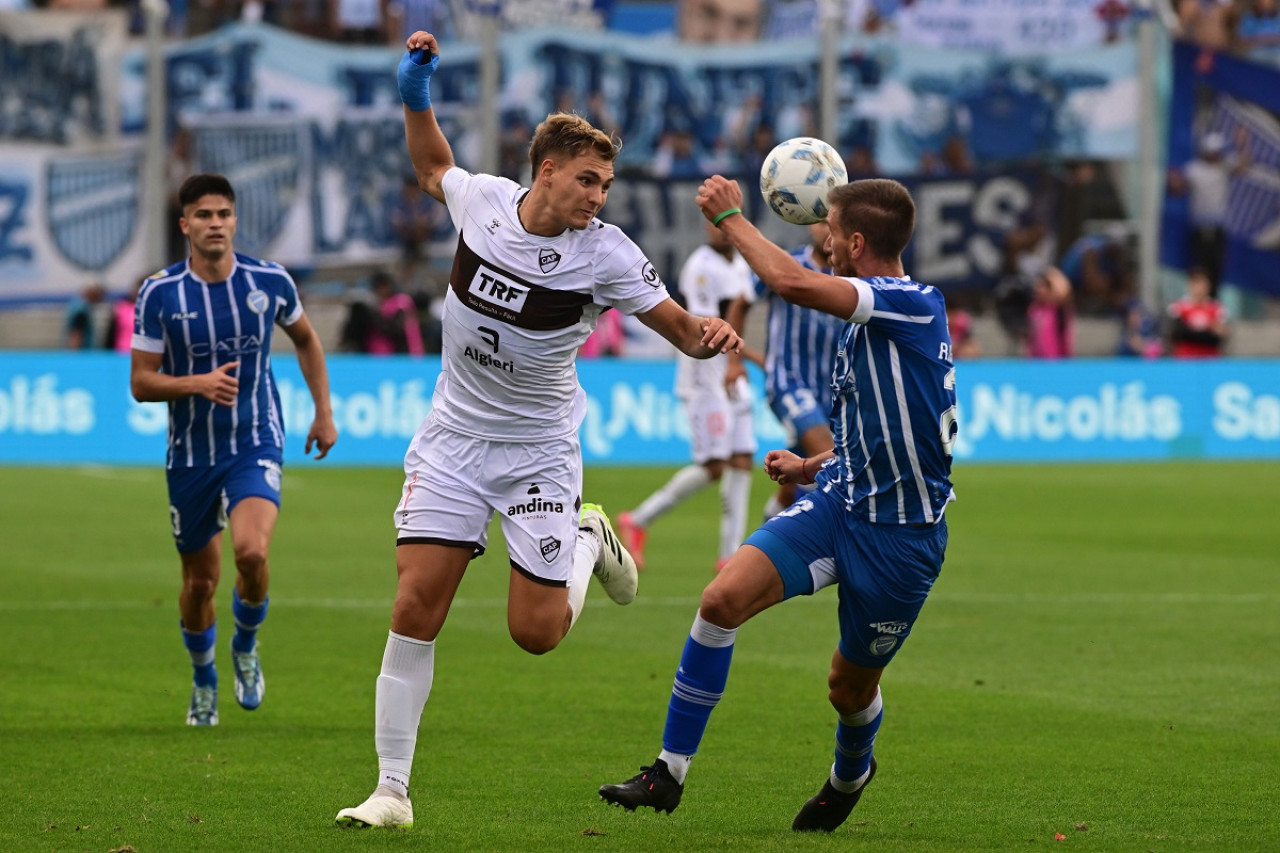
(796, 177)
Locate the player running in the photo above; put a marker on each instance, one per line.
(533, 270)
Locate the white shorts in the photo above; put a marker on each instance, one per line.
(454, 483)
(720, 427)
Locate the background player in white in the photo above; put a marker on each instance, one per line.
(799, 353)
(721, 430)
(533, 270)
(874, 527)
(202, 343)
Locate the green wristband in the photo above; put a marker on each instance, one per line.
(730, 212)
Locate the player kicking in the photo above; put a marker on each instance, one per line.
(874, 527)
(800, 349)
(202, 343)
(533, 270)
(721, 429)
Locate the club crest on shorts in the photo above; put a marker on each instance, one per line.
(883, 644)
(548, 258)
(92, 207)
(550, 548)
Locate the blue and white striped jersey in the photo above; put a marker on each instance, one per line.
(199, 325)
(802, 343)
(894, 416)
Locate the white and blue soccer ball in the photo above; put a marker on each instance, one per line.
(796, 177)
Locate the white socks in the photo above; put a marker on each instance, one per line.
(403, 687)
(682, 484)
(586, 551)
(735, 494)
(677, 764)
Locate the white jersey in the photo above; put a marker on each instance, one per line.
(706, 280)
(518, 307)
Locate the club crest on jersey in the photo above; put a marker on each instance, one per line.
(490, 288)
(550, 548)
(258, 301)
(548, 258)
(93, 206)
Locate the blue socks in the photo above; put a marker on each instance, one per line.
(200, 646)
(699, 684)
(248, 618)
(855, 737)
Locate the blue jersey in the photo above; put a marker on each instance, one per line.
(802, 344)
(894, 416)
(200, 325)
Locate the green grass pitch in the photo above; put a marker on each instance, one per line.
(1100, 660)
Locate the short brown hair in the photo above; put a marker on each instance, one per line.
(570, 135)
(878, 208)
(197, 187)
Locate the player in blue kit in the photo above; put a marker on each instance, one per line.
(202, 343)
(874, 527)
(800, 349)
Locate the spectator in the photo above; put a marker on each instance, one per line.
(1258, 35)
(1086, 193)
(1208, 23)
(1139, 332)
(357, 21)
(119, 336)
(404, 17)
(677, 158)
(607, 339)
(414, 219)
(395, 328)
(720, 21)
(1198, 322)
(1206, 181)
(80, 329)
(963, 342)
(861, 163)
(1050, 317)
(1100, 272)
(359, 322)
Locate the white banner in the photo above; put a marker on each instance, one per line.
(1009, 26)
(61, 76)
(69, 218)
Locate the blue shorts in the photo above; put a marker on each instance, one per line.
(798, 411)
(200, 499)
(884, 571)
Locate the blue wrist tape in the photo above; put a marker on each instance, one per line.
(414, 78)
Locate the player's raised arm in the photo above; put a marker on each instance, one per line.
(428, 149)
(721, 202)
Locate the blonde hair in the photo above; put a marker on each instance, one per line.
(569, 135)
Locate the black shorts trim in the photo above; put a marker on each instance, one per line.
(476, 548)
(540, 581)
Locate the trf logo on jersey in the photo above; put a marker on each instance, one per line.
(548, 259)
(93, 206)
(502, 294)
(550, 548)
